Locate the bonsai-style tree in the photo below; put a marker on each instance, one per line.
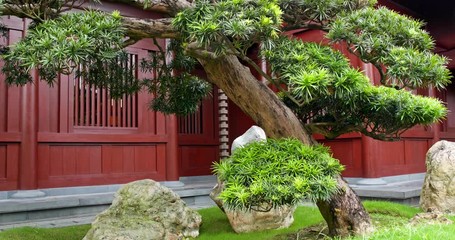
(266, 174)
(318, 90)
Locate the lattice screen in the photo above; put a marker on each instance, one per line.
(94, 107)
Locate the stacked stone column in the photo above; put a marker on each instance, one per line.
(224, 126)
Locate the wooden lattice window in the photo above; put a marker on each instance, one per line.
(191, 123)
(94, 107)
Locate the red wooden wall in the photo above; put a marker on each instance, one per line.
(10, 112)
(73, 134)
(198, 138)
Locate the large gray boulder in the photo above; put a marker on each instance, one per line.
(253, 134)
(145, 210)
(438, 191)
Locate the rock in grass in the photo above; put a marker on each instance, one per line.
(433, 217)
(145, 210)
(251, 221)
(438, 192)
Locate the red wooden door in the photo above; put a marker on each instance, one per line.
(10, 115)
(198, 138)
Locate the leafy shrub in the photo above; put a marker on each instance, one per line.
(263, 175)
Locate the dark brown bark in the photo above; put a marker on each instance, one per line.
(170, 7)
(137, 28)
(344, 212)
(254, 98)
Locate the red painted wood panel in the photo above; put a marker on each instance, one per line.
(397, 158)
(129, 159)
(55, 163)
(450, 100)
(349, 153)
(146, 159)
(3, 102)
(415, 153)
(13, 121)
(197, 160)
(3, 161)
(3, 93)
(9, 166)
(77, 165)
(61, 160)
(198, 138)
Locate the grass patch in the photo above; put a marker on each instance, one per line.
(390, 220)
(391, 223)
(418, 232)
(215, 227)
(29, 233)
(390, 208)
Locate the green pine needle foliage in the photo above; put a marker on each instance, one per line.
(320, 12)
(267, 174)
(228, 25)
(62, 44)
(175, 90)
(336, 98)
(393, 42)
(89, 44)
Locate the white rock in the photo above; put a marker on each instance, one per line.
(253, 134)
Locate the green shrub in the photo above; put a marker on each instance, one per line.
(263, 175)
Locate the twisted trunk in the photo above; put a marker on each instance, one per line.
(344, 212)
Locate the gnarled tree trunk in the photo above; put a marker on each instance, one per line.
(344, 212)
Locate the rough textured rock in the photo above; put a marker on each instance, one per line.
(433, 217)
(249, 221)
(438, 192)
(145, 210)
(216, 192)
(253, 134)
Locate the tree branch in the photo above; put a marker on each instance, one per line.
(170, 7)
(32, 11)
(137, 28)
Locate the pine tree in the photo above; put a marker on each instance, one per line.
(319, 92)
